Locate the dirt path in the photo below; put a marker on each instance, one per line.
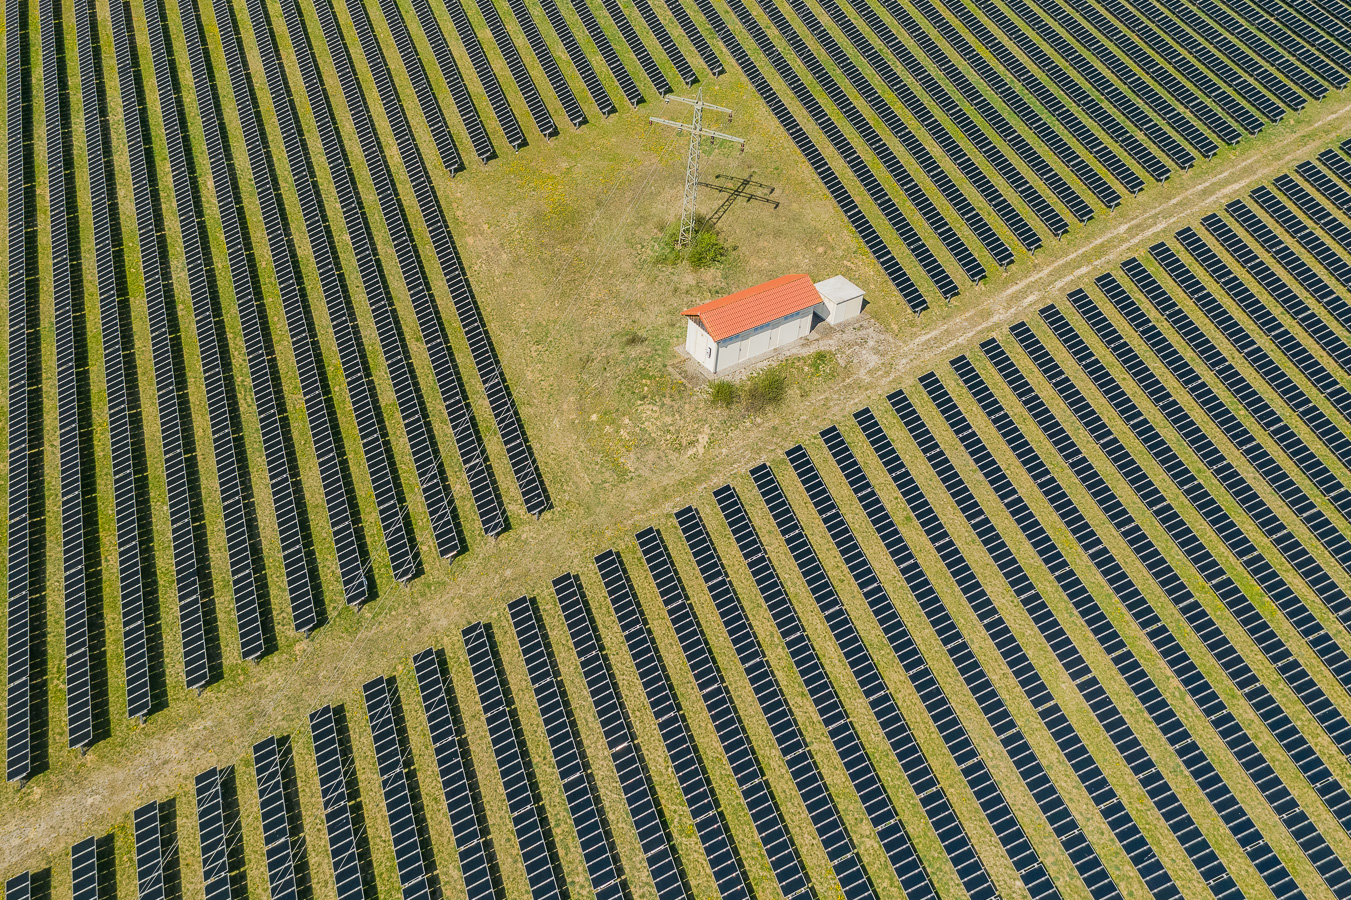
(162, 757)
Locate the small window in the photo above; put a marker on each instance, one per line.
(710, 353)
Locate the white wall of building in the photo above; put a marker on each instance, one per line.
(748, 345)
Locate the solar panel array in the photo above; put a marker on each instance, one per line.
(523, 803)
(784, 857)
(18, 637)
(251, 313)
(973, 672)
(577, 56)
(703, 807)
(483, 70)
(1104, 797)
(674, 54)
(583, 799)
(426, 461)
(864, 228)
(219, 397)
(337, 805)
(1193, 681)
(279, 843)
(989, 795)
(153, 851)
(73, 574)
(520, 75)
(19, 887)
(453, 764)
(472, 454)
(646, 62)
(653, 832)
(213, 836)
(450, 72)
(84, 870)
(391, 761)
(313, 383)
(891, 832)
(376, 452)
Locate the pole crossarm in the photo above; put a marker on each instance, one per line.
(698, 132)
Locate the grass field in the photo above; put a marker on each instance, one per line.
(559, 241)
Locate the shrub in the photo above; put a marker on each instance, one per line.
(705, 250)
(764, 390)
(722, 393)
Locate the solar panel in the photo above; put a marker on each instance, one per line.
(675, 733)
(20, 887)
(936, 702)
(333, 780)
(151, 854)
(78, 696)
(956, 114)
(459, 91)
(390, 761)
(403, 554)
(18, 649)
(1321, 31)
(1123, 585)
(579, 789)
(784, 856)
(1277, 47)
(278, 842)
(1011, 736)
(492, 517)
(933, 799)
(134, 646)
(825, 818)
(523, 803)
(666, 41)
(313, 383)
(453, 764)
(863, 227)
(416, 427)
(539, 112)
(74, 590)
(212, 835)
(545, 58)
(577, 56)
(219, 395)
(497, 98)
(653, 832)
(84, 870)
(270, 407)
(1197, 847)
(629, 34)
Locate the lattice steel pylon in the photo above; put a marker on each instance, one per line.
(697, 133)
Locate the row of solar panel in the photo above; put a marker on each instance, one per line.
(276, 444)
(1197, 686)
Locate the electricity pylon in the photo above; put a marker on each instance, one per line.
(697, 133)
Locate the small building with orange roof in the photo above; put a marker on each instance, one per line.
(746, 325)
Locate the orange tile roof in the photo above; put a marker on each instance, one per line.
(756, 306)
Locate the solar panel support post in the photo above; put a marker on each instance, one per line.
(697, 132)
